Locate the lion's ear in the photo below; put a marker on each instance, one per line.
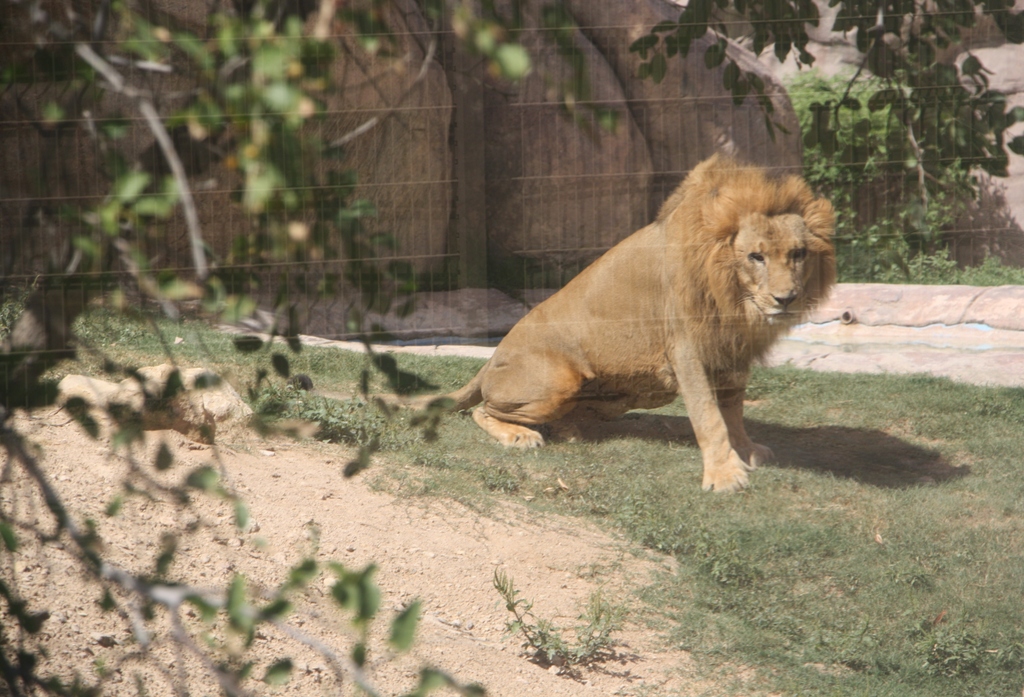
(820, 218)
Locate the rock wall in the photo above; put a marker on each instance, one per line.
(556, 194)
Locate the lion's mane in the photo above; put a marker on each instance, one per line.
(701, 218)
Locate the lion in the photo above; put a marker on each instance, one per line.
(683, 307)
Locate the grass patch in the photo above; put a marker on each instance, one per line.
(137, 339)
(881, 554)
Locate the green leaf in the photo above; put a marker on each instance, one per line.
(205, 478)
(862, 128)
(1015, 115)
(207, 380)
(8, 536)
(361, 462)
(79, 411)
(247, 343)
(154, 206)
(302, 573)
(128, 187)
(237, 608)
(513, 60)
(114, 507)
(52, 112)
(359, 654)
(207, 611)
(177, 289)
(107, 602)
(281, 97)
(1017, 145)
(850, 103)
(714, 55)
(279, 673)
(730, 75)
(115, 127)
(644, 44)
(882, 98)
(281, 366)
(403, 628)
(659, 67)
(607, 119)
(971, 66)
(431, 680)
(238, 307)
(164, 458)
(241, 515)
(277, 609)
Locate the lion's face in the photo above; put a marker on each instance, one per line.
(771, 255)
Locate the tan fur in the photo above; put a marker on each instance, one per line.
(680, 307)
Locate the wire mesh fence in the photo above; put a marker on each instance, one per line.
(473, 181)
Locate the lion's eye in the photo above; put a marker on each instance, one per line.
(800, 254)
(756, 257)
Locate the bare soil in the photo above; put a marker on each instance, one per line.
(439, 551)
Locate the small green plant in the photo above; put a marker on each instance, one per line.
(952, 653)
(593, 640)
(855, 143)
(1011, 655)
(503, 479)
(940, 269)
(353, 421)
(723, 563)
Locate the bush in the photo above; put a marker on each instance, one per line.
(855, 155)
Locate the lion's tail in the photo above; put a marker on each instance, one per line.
(465, 397)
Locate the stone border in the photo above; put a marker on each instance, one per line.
(876, 304)
(964, 333)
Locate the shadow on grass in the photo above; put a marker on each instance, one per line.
(868, 456)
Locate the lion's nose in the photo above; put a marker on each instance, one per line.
(785, 300)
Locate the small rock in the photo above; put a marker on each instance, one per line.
(350, 549)
(470, 625)
(554, 670)
(269, 453)
(456, 623)
(178, 340)
(104, 640)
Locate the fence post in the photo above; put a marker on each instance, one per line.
(467, 83)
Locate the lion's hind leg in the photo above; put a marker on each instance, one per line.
(508, 434)
(514, 400)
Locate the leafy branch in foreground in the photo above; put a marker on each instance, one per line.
(248, 92)
(918, 117)
(155, 606)
(593, 641)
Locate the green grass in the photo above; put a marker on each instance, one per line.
(940, 269)
(881, 555)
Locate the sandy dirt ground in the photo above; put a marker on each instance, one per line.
(441, 552)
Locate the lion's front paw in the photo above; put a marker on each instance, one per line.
(727, 476)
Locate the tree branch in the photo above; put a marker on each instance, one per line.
(376, 120)
(117, 83)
